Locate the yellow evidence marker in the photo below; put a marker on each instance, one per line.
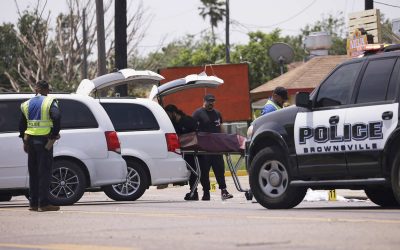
(332, 195)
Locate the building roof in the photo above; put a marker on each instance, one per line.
(304, 77)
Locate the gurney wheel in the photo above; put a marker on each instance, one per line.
(249, 195)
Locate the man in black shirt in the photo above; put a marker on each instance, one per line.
(210, 120)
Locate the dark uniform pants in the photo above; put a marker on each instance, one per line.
(40, 162)
(218, 166)
(190, 160)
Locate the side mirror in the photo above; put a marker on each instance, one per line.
(303, 100)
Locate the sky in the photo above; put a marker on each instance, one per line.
(173, 19)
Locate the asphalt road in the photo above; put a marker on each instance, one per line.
(161, 219)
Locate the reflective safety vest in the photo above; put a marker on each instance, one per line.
(37, 113)
(270, 102)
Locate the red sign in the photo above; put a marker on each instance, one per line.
(232, 97)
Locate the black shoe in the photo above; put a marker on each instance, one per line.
(206, 196)
(225, 195)
(33, 208)
(48, 208)
(195, 197)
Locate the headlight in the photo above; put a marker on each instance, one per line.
(250, 132)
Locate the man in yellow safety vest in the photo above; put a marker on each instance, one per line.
(39, 126)
(279, 96)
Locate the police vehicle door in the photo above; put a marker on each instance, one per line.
(319, 132)
(373, 117)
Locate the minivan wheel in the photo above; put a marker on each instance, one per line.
(395, 178)
(133, 188)
(269, 178)
(68, 183)
(5, 197)
(382, 196)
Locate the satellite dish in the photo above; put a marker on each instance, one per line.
(281, 53)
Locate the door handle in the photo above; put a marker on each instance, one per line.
(388, 115)
(334, 119)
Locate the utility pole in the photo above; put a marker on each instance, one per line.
(84, 34)
(121, 61)
(369, 4)
(101, 43)
(227, 45)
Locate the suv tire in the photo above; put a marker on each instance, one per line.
(269, 181)
(5, 197)
(68, 183)
(395, 178)
(382, 196)
(133, 188)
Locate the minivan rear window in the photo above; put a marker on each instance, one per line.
(130, 117)
(10, 114)
(75, 115)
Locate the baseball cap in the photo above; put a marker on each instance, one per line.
(209, 98)
(282, 92)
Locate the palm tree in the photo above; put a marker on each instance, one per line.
(215, 10)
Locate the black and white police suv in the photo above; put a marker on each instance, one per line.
(345, 134)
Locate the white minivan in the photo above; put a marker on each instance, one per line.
(149, 142)
(86, 156)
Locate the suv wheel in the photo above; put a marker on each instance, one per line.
(68, 183)
(5, 197)
(134, 186)
(269, 181)
(382, 196)
(395, 177)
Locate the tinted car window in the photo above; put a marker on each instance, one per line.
(10, 114)
(130, 117)
(375, 81)
(75, 114)
(394, 82)
(336, 90)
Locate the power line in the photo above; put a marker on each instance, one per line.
(390, 5)
(243, 28)
(286, 20)
(246, 25)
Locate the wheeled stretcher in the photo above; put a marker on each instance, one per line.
(197, 144)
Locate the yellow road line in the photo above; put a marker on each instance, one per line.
(63, 247)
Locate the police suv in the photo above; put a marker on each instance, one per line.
(345, 134)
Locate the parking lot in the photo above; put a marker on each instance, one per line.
(161, 219)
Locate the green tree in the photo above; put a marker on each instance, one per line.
(10, 49)
(262, 68)
(184, 52)
(191, 52)
(215, 11)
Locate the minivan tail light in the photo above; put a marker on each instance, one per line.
(173, 144)
(113, 141)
